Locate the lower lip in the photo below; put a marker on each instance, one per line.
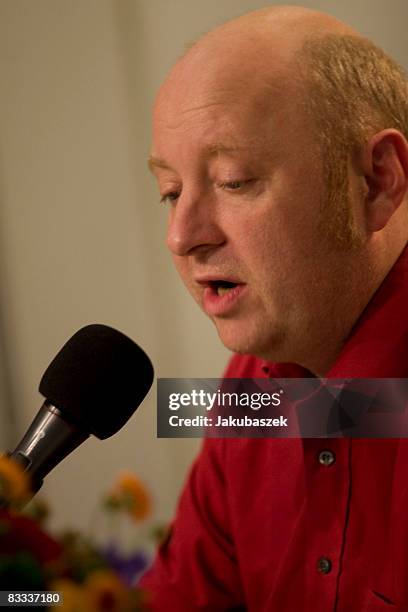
(217, 305)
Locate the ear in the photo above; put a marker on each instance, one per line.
(385, 168)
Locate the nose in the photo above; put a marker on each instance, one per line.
(193, 226)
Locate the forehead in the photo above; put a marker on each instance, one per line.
(232, 97)
(221, 115)
(203, 135)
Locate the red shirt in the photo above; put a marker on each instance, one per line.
(275, 525)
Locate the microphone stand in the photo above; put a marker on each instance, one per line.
(49, 439)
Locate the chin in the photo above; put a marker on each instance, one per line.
(252, 339)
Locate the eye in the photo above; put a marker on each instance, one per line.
(235, 185)
(172, 196)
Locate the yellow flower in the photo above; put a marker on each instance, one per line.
(104, 592)
(39, 510)
(72, 595)
(15, 484)
(130, 494)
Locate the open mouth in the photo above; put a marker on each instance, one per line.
(220, 296)
(222, 287)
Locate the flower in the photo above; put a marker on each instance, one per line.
(15, 486)
(21, 534)
(72, 596)
(128, 567)
(91, 577)
(105, 592)
(38, 510)
(130, 495)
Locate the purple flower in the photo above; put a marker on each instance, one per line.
(128, 567)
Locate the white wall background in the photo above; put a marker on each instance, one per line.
(81, 232)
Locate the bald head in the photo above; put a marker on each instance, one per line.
(282, 28)
(254, 50)
(275, 141)
(275, 48)
(299, 64)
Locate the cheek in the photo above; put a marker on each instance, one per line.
(182, 266)
(276, 264)
(264, 246)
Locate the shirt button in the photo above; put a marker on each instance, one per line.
(324, 565)
(327, 458)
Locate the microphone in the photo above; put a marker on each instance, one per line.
(93, 386)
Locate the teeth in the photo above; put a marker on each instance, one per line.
(223, 290)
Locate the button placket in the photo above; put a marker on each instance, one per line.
(326, 457)
(324, 565)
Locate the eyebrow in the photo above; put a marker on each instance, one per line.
(212, 150)
(156, 162)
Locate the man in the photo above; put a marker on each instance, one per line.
(280, 148)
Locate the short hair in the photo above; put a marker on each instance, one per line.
(355, 86)
(353, 90)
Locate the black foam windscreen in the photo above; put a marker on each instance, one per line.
(98, 379)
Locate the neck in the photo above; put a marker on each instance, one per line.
(364, 279)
